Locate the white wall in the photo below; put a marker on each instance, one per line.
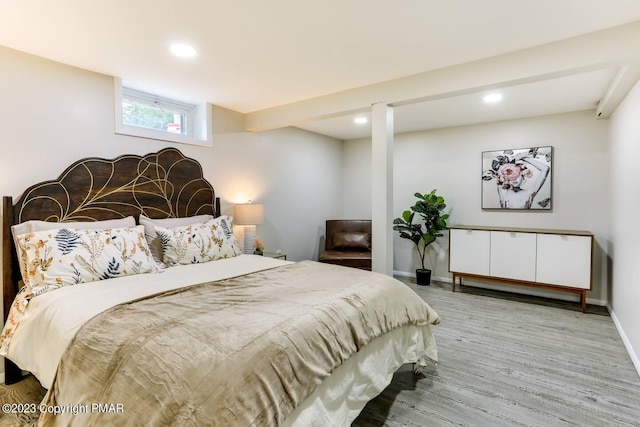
(357, 185)
(52, 114)
(450, 161)
(296, 174)
(624, 246)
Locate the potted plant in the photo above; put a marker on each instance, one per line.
(429, 207)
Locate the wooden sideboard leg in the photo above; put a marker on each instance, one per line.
(583, 301)
(453, 283)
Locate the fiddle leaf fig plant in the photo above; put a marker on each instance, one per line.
(429, 208)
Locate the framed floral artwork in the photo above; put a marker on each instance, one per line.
(517, 178)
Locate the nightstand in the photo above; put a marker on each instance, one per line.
(275, 255)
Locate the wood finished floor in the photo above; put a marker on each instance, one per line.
(510, 360)
(505, 360)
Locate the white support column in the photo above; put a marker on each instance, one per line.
(382, 191)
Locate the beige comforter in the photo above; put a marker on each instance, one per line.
(241, 351)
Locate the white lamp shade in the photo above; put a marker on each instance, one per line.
(249, 214)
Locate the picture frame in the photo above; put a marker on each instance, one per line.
(517, 179)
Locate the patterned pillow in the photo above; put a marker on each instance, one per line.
(51, 259)
(33, 226)
(63, 257)
(152, 237)
(196, 243)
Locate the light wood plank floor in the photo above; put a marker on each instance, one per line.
(509, 360)
(505, 360)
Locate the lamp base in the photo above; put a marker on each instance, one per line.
(249, 238)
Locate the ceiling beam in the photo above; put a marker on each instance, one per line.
(614, 47)
(626, 77)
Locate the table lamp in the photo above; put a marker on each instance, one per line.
(249, 215)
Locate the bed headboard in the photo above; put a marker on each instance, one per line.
(159, 185)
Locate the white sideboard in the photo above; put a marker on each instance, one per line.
(550, 259)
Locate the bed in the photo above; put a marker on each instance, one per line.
(236, 340)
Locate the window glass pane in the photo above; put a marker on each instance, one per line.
(154, 112)
(152, 117)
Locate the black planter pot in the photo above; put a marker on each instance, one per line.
(423, 277)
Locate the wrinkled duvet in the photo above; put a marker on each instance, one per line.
(236, 352)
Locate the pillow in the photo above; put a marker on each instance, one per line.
(196, 243)
(33, 226)
(352, 240)
(62, 257)
(152, 237)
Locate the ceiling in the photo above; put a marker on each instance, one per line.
(265, 57)
(560, 95)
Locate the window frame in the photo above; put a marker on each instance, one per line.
(199, 121)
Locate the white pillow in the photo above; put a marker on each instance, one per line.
(196, 243)
(152, 237)
(35, 225)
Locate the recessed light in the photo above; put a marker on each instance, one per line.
(492, 97)
(183, 50)
(360, 120)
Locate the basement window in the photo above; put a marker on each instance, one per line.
(153, 116)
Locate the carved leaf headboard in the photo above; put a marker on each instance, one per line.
(159, 185)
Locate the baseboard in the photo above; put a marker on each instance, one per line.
(403, 273)
(627, 344)
(413, 275)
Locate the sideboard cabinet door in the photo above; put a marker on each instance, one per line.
(469, 251)
(564, 260)
(513, 255)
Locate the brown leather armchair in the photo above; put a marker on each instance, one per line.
(348, 243)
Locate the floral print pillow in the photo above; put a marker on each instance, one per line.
(54, 258)
(197, 243)
(63, 257)
(152, 237)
